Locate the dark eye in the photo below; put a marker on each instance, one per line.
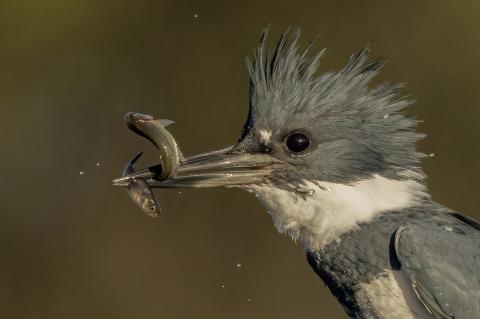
(297, 142)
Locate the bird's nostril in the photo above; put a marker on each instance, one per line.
(266, 149)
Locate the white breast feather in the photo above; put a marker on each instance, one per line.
(391, 296)
(334, 209)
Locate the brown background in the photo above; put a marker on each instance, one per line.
(72, 246)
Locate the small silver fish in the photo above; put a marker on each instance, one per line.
(140, 191)
(154, 130)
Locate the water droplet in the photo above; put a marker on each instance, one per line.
(180, 193)
(195, 15)
(431, 154)
(386, 116)
(239, 265)
(98, 164)
(223, 286)
(329, 189)
(250, 299)
(81, 173)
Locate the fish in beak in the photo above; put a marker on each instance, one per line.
(227, 167)
(154, 130)
(140, 192)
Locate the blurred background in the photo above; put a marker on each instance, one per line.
(72, 246)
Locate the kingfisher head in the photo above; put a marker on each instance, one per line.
(323, 152)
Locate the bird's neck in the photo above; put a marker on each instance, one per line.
(323, 211)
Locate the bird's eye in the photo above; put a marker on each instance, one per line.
(297, 142)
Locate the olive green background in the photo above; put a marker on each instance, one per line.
(72, 246)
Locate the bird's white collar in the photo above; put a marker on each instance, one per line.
(331, 209)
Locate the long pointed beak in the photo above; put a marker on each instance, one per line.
(225, 167)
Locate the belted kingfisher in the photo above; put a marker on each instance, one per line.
(335, 163)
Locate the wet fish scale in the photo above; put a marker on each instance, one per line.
(170, 156)
(144, 197)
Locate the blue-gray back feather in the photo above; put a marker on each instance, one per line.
(443, 264)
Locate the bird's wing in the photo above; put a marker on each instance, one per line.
(442, 261)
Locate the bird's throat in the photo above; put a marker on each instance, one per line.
(323, 211)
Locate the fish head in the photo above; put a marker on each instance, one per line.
(144, 197)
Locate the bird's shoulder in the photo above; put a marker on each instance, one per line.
(441, 258)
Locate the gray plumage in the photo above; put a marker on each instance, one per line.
(357, 132)
(435, 247)
(442, 261)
